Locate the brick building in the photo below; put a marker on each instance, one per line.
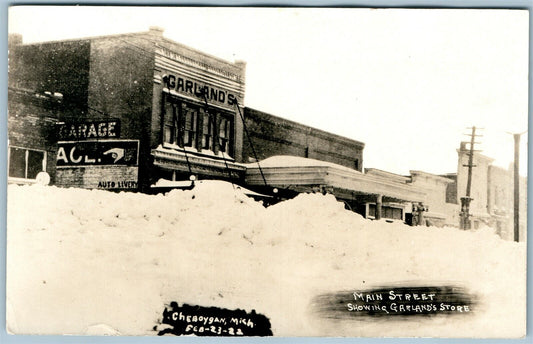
(274, 135)
(131, 109)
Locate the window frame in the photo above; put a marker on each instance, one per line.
(207, 142)
(225, 143)
(26, 156)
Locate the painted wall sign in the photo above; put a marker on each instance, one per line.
(85, 130)
(102, 152)
(213, 321)
(109, 177)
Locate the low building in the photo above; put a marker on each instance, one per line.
(441, 211)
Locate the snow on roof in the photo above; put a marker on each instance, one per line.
(296, 161)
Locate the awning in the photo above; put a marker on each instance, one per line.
(198, 162)
(296, 172)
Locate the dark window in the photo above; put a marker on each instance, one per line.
(372, 210)
(169, 134)
(190, 127)
(208, 130)
(17, 162)
(35, 163)
(224, 134)
(187, 125)
(356, 164)
(25, 163)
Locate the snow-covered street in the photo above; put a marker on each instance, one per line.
(97, 262)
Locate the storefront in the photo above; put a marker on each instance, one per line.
(200, 129)
(376, 195)
(134, 108)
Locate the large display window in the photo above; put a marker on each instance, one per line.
(187, 125)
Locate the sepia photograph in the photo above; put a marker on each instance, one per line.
(267, 171)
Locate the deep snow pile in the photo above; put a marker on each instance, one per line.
(96, 262)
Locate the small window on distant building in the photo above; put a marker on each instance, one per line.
(26, 163)
(356, 164)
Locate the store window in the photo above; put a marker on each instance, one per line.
(224, 134)
(189, 125)
(26, 163)
(208, 130)
(170, 131)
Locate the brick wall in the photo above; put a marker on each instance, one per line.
(271, 135)
(31, 125)
(120, 86)
(61, 67)
(99, 177)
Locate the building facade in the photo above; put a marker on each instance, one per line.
(134, 108)
(272, 135)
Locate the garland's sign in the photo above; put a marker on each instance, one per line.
(104, 152)
(188, 87)
(105, 129)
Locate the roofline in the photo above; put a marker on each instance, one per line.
(168, 40)
(387, 173)
(432, 175)
(362, 144)
(88, 38)
(476, 154)
(133, 34)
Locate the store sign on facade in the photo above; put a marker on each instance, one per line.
(105, 129)
(102, 152)
(188, 87)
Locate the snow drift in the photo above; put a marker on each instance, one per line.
(96, 262)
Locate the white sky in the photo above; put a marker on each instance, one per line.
(407, 83)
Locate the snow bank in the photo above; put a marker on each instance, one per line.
(96, 262)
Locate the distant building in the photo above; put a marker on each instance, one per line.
(492, 192)
(500, 205)
(441, 210)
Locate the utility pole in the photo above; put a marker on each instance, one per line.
(517, 186)
(465, 201)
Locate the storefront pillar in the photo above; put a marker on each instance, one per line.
(379, 203)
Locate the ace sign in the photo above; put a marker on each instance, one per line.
(102, 152)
